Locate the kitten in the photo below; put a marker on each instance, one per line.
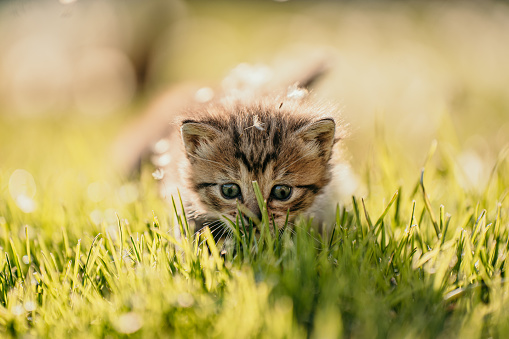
(285, 145)
(278, 138)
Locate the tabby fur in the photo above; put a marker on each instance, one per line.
(273, 140)
(250, 132)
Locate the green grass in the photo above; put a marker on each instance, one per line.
(419, 255)
(415, 254)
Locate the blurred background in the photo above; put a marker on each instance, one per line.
(74, 72)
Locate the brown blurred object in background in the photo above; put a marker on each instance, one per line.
(89, 56)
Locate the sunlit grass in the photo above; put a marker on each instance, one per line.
(422, 257)
(420, 251)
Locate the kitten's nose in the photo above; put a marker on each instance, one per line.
(258, 213)
(255, 210)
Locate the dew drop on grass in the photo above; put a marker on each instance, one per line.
(25, 259)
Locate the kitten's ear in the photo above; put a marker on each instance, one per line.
(196, 133)
(321, 132)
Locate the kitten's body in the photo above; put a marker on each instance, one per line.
(279, 138)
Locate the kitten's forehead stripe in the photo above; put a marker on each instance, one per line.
(276, 137)
(268, 158)
(236, 138)
(243, 157)
(255, 148)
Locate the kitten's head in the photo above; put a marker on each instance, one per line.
(285, 147)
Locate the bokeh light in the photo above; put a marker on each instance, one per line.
(22, 189)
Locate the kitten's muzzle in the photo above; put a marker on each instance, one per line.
(251, 212)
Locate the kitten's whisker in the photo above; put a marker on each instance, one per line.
(229, 237)
(222, 234)
(292, 231)
(209, 223)
(285, 165)
(216, 237)
(200, 230)
(285, 229)
(310, 235)
(293, 225)
(219, 227)
(212, 225)
(281, 232)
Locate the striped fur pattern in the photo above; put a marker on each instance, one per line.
(274, 141)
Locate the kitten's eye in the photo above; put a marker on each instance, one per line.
(281, 192)
(230, 191)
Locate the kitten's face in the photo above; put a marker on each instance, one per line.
(288, 156)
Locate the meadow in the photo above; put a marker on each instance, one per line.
(419, 251)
